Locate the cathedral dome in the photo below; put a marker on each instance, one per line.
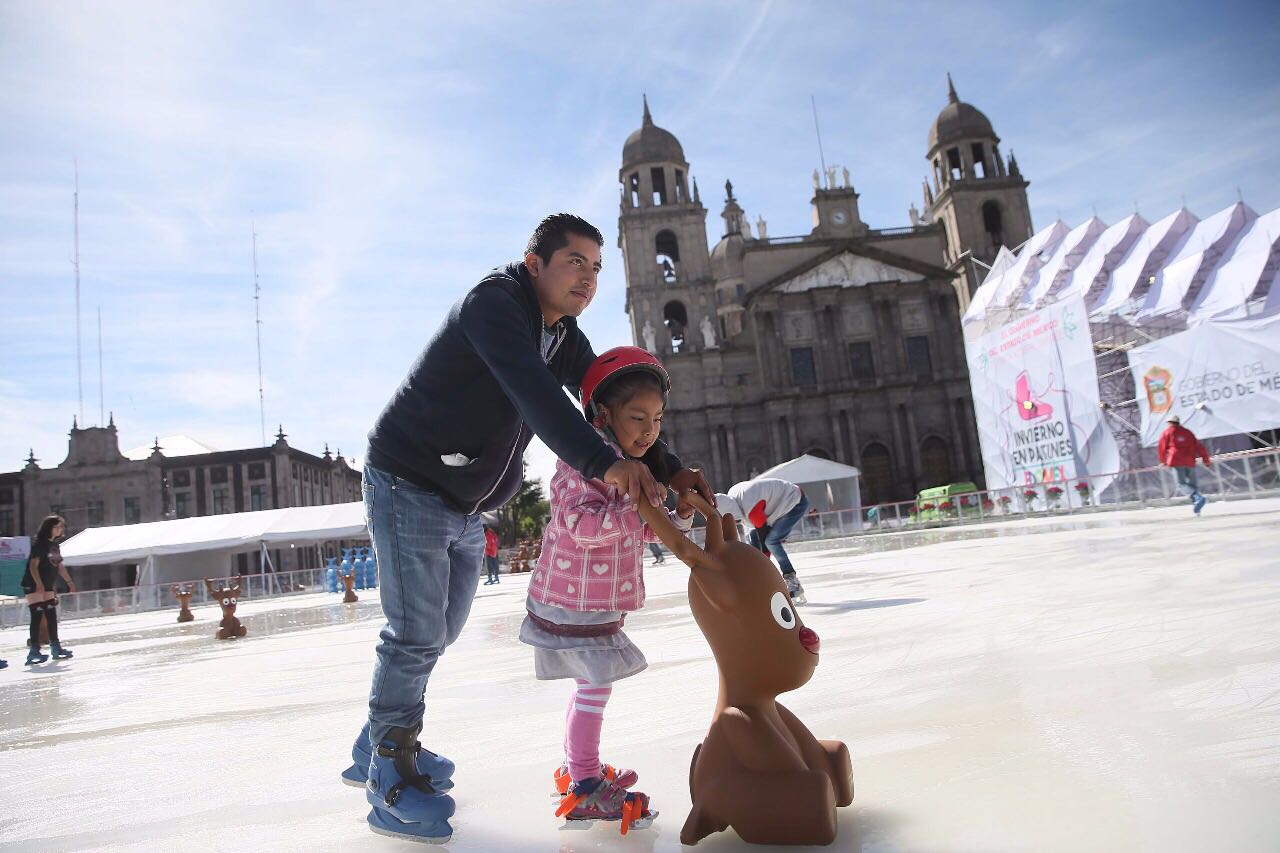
(958, 120)
(651, 144)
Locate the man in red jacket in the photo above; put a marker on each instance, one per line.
(1178, 448)
(491, 553)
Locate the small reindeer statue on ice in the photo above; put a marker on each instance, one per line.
(229, 628)
(183, 593)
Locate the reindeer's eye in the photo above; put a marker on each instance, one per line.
(233, 601)
(225, 602)
(782, 612)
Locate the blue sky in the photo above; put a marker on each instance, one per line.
(390, 153)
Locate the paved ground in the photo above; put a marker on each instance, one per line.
(1109, 683)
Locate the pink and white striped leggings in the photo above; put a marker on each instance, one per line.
(582, 723)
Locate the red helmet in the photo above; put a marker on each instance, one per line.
(614, 363)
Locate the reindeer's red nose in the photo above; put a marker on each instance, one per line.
(809, 639)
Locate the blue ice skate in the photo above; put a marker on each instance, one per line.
(439, 768)
(405, 802)
(34, 656)
(59, 653)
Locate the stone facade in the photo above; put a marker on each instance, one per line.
(97, 486)
(844, 342)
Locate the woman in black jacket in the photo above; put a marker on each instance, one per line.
(43, 570)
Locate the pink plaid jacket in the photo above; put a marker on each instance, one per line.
(592, 547)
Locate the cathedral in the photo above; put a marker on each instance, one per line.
(845, 342)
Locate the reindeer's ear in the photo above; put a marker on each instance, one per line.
(730, 528)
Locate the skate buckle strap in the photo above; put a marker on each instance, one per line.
(421, 781)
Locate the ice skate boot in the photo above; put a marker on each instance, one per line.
(795, 590)
(621, 778)
(4, 664)
(34, 656)
(599, 799)
(439, 768)
(59, 653)
(405, 803)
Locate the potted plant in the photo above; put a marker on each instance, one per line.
(1029, 498)
(948, 508)
(1005, 500)
(988, 505)
(1054, 495)
(1082, 489)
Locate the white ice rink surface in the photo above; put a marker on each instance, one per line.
(1105, 684)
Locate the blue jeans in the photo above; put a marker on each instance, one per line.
(779, 531)
(1187, 483)
(429, 559)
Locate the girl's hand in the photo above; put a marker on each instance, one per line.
(632, 478)
(71, 587)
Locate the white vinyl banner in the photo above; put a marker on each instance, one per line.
(1220, 378)
(1035, 394)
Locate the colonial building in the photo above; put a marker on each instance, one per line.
(97, 485)
(844, 342)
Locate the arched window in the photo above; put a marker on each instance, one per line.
(676, 319)
(935, 459)
(993, 224)
(668, 254)
(877, 474)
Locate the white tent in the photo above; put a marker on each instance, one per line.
(1090, 276)
(1026, 269)
(1065, 258)
(1195, 258)
(1242, 271)
(1129, 278)
(189, 548)
(828, 485)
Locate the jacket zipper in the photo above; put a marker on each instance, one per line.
(519, 431)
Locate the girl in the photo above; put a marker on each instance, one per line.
(589, 576)
(42, 572)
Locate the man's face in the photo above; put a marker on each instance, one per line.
(567, 283)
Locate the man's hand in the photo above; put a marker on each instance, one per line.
(633, 479)
(687, 479)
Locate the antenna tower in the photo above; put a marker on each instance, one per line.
(79, 360)
(257, 319)
(821, 157)
(102, 409)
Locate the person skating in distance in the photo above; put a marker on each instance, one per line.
(771, 508)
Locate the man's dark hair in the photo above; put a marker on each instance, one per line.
(552, 234)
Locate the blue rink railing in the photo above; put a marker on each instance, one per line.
(1232, 476)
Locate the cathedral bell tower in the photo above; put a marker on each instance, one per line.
(662, 231)
(978, 197)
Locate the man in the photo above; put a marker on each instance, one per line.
(449, 446)
(1178, 448)
(772, 508)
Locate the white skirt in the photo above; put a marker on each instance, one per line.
(599, 660)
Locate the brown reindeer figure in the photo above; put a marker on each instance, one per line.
(183, 593)
(230, 627)
(348, 581)
(759, 769)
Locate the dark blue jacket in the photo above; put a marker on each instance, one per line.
(459, 423)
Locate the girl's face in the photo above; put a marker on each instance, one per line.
(58, 530)
(636, 423)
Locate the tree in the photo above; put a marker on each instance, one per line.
(525, 514)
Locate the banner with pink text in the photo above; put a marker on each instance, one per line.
(1035, 396)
